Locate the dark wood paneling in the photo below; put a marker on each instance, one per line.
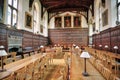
(33, 40)
(110, 37)
(3, 36)
(29, 39)
(98, 40)
(43, 40)
(69, 36)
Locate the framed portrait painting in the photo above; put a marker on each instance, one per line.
(77, 21)
(28, 20)
(58, 22)
(1, 9)
(67, 21)
(105, 18)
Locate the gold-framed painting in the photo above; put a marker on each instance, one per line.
(105, 18)
(67, 21)
(28, 20)
(1, 10)
(58, 22)
(77, 21)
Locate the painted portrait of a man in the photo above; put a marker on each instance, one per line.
(77, 21)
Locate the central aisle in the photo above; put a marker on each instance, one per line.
(77, 67)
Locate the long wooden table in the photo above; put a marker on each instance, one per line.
(14, 66)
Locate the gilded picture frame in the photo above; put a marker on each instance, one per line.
(105, 18)
(58, 21)
(28, 20)
(1, 10)
(77, 21)
(67, 21)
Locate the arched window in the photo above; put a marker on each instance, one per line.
(12, 12)
(118, 12)
(35, 18)
(100, 17)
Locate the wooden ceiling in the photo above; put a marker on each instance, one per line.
(53, 6)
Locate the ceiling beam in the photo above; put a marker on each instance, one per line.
(52, 7)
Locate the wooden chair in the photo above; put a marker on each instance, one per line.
(10, 77)
(42, 67)
(13, 55)
(114, 65)
(31, 53)
(5, 60)
(116, 78)
(29, 71)
(26, 55)
(20, 74)
(36, 73)
(106, 73)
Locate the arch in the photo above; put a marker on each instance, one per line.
(36, 10)
(71, 12)
(54, 6)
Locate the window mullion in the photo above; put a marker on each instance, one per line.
(14, 13)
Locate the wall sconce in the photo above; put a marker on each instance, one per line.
(85, 55)
(42, 49)
(115, 48)
(106, 46)
(2, 54)
(93, 46)
(41, 46)
(116, 67)
(100, 46)
(77, 47)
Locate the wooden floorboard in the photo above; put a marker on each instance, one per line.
(77, 68)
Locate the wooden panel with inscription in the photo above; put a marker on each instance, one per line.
(69, 36)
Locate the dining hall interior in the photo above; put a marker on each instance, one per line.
(59, 39)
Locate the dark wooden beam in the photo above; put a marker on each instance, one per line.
(53, 7)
